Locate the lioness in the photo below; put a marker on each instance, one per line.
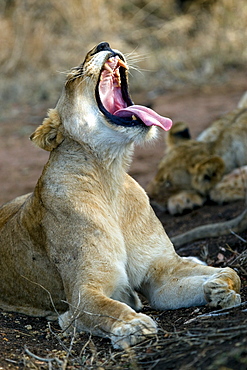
(86, 241)
(191, 170)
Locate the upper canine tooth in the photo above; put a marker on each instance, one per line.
(108, 68)
(122, 63)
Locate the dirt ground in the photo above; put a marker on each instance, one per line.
(192, 338)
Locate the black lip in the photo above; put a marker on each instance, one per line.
(120, 121)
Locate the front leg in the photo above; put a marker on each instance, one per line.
(98, 314)
(222, 288)
(98, 292)
(179, 282)
(91, 258)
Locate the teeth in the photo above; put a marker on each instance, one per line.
(117, 75)
(117, 62)
(122, 63)
(108, 68)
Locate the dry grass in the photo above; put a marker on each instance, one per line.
(41, 39)
(191, 347)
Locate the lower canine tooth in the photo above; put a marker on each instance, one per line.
(108, 68)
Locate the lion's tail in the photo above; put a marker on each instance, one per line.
(235, 225)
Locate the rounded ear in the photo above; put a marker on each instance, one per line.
(50, 134)
(207, 173)
(179, 133)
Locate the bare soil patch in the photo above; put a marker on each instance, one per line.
(192, 338)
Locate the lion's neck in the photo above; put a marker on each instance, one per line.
(81, 157)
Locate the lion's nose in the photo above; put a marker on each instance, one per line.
(103, 46)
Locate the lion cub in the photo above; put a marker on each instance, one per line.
(191, 170)
(86, 241)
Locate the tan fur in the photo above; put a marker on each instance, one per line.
(178, 134)
(185, 200)
(50, 134)
(191, 169)
(86, 241)
(233, 186)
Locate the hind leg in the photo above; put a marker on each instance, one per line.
(181, 282)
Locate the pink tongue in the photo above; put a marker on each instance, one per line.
(146, 115)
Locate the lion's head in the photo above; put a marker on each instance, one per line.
(96, 108)
(188, 165)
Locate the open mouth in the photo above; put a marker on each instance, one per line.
(114, 100)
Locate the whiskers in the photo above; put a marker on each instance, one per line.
(73, 73)
(133, 59)
(79, 74)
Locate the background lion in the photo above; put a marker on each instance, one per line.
(192, 170)
(86, 241)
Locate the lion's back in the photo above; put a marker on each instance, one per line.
(9, 209)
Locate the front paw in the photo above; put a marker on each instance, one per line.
(131, 332)
(222, 289)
